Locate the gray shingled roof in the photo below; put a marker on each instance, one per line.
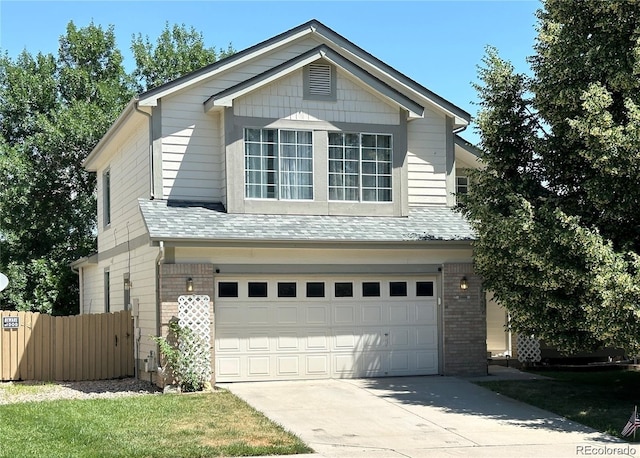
(199, 221)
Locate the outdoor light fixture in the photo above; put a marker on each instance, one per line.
(189, 285)
(463, 283)
(127, 282)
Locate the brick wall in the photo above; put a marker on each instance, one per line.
(173, 283)
(465, 322)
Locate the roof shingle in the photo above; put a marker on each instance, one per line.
(186, 221)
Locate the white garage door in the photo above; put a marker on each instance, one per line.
(317, 327)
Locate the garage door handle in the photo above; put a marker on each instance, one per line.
(386, 339)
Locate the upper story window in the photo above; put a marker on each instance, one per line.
(278, 164)
(462, 185)
(360, 167)
(106, 197)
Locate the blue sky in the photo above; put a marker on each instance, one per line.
(437, 43)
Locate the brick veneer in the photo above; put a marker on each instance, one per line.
(173, 281)
(465, 322)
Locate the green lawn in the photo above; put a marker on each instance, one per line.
(187, 425)
(601, 400)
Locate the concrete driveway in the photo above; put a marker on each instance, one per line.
(420, 417)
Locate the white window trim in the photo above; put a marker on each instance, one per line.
(279, 170)
(360, 174)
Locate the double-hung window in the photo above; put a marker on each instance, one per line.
(278, 164)
(360, 167)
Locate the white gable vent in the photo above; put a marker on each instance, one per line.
(320, 79)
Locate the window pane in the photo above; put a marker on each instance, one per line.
(344, 289)
(384, 141)
(384, 195)
(336, 138)
(287, 289)
(352, 140)
(227, 289)
(336, 194)
(397, 288)
(369, 195)
(315, 289)
(269, 135)
(257, 289)
(288, 136)
(424, 288)
(371, 289)
(252, 135)
(368, 140)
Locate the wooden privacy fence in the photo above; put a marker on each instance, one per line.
(35, 346)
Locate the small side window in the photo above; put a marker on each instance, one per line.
(106, 198)
(257, 289)
(287, 289)
(344, 289)
(424, 288)
(315, 289)
(398, 288)
(228, 289)
(371, 289)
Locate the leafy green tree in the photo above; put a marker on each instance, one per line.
(53, 111)
(555, 207)
(179, 50)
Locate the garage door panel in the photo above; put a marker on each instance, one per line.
(257, 314)
(258, 366)
(427, 336)
(427, 361)
(288, 366)
(344, 365)
(229, 314)
(345, 339)
(258, 341)
(426, 313)
(317, 340)
(401, 337)
(227, 342)
(287, 314)
(317, 314)
(228, 367)
(344, 314)
(288, 341)
(401, 314)
(371, 314)
(317, 365)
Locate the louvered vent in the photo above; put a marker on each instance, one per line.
(319, 79)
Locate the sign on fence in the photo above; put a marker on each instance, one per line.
(10, 322)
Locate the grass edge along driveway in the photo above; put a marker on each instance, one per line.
(602, 400)
(176, 425)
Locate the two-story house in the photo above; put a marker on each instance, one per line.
(306, 188)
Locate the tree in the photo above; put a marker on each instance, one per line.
(178, 51)
(555, 207)
(53, 111)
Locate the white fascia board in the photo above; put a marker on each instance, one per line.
(343, 46)
(130, 110)
(152, 99)
(393, 96)
(227, 100)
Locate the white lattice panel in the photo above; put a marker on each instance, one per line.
(193, 313)
(528, 349)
